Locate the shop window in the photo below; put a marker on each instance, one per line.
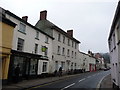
(44, 67)
(33, 66)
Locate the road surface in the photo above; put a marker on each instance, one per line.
(85, 81)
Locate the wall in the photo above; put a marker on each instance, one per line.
(29, 39)
(5, 45)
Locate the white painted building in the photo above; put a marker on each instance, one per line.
(65, 46)
(114, 48)
(88, 63)
(31, 49)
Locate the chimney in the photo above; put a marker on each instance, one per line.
(70, 33)
(25, 18)
(43, 15)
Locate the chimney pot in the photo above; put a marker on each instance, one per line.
(25, 18)
(70, 33)
(43, 15)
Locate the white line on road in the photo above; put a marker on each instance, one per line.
(68, 86)
(81, 79)
(88, 76)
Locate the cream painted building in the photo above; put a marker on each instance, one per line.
(87, 62)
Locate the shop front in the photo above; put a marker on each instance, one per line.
(27, 62)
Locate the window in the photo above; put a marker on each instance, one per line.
(75, 55)
(75, 45)
(114, 40)
(109, 45)
(37, 35)
(63, 39)
(63, 51)
(22, 28)
(68, 42)
(63, 65)
(68, 53)
(75, 65)
(20, 44)
(58, 51)
(33, 67)
(46, 39)
(72, 43)
(72, 54)
(46, 51)
(36, 48)
(59, 37)
(56, 65)
(44, 69)
(118, 32)
(72, 65)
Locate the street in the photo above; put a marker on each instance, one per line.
(87, 81)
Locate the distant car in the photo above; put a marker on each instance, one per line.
(105, 69)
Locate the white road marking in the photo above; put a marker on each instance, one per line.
(68, 86)
(88, 76)
(81, 79)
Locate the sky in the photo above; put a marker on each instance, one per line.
(90, 20)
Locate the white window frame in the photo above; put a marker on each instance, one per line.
(44, 67)
(21, 28)
(37, 34)
(19, 45)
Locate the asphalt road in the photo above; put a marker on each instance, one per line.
(86, 81)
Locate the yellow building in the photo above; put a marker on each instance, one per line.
(6, 37)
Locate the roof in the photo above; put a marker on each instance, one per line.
(117, 15)
(4, 19)
(7, 21)
(47, 25)
(15, 16)
(86, 54)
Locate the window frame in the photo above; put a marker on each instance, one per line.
(37, 35)
(44, 67)
(21, 28)
(19, 44)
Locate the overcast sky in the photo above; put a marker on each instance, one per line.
(90, 19)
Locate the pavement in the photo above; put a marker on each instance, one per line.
(106, 83)
(25, 84)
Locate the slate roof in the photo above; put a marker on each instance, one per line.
(47, 25)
